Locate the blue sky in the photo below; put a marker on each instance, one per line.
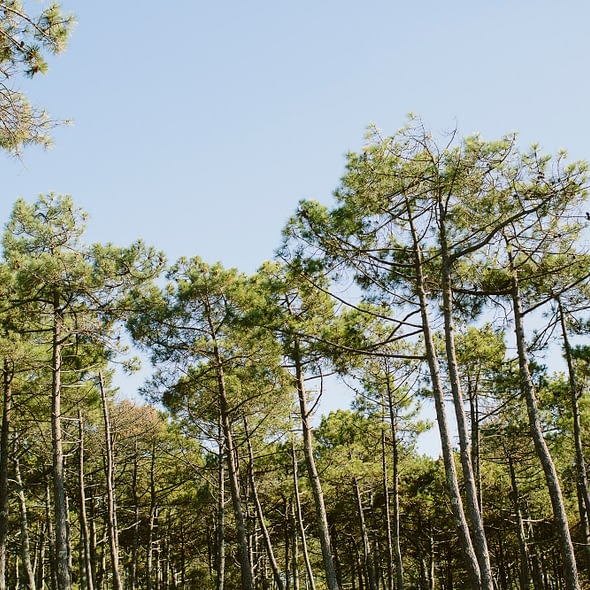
(199, 125)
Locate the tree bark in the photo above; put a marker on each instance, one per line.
(4, 454)
(24, 530)
(471, 493)
(386, 502)
(367, 553)
(299, 515)
(135, 542)
(88, 570)
(582, 478)
(62, 549)
(113, 530)
(471, 561)
(314, 479)
(528, 389)
(523, 571)
(260, 514)
(234, 478)
(220, 557)
(399, 566)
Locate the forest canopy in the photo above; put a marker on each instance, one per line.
(440, 276)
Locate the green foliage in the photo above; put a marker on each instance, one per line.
(26, 40)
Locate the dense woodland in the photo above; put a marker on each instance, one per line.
(449, 272)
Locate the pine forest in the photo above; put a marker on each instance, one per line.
(446, 286)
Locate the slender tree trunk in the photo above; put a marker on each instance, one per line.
(93, 544)
(479, 537)
(50, 537)
(469, 555)
(523, 572)
(40, 571)
(234, 478)
(399, 566)
(299, 514)
(149, 573)
(88, 577)
(135, 542)
(475, 443)
(24, 530)
(528, 389)
(367, 553)
(314, 479)
(260, 514)
(220, 557)
(62, 549)
(295, 549)
(113, 529)
(4, 454)
(386, 502)
(582, 478)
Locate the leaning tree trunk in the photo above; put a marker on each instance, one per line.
(314, 478)
(469, 555)
(528, 389)
(480, 544)
(582, 478)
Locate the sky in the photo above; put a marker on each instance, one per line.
(198, 126)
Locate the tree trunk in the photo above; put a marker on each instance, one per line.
(523, 572)
(62, 549)
(88, 573)
(149, 573)
(259, 513)
(50, 537)
(528, 389)
(135, 540)
(24, 530)
(469, 555)
(314, 479)
(299, 514)
(582, 478)
(220, 557)
(112, 528)
(367, 553)
(234, 478)
(478, 538)
(4, 454)
(386, 502)
(295, 551)
(399, 566)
